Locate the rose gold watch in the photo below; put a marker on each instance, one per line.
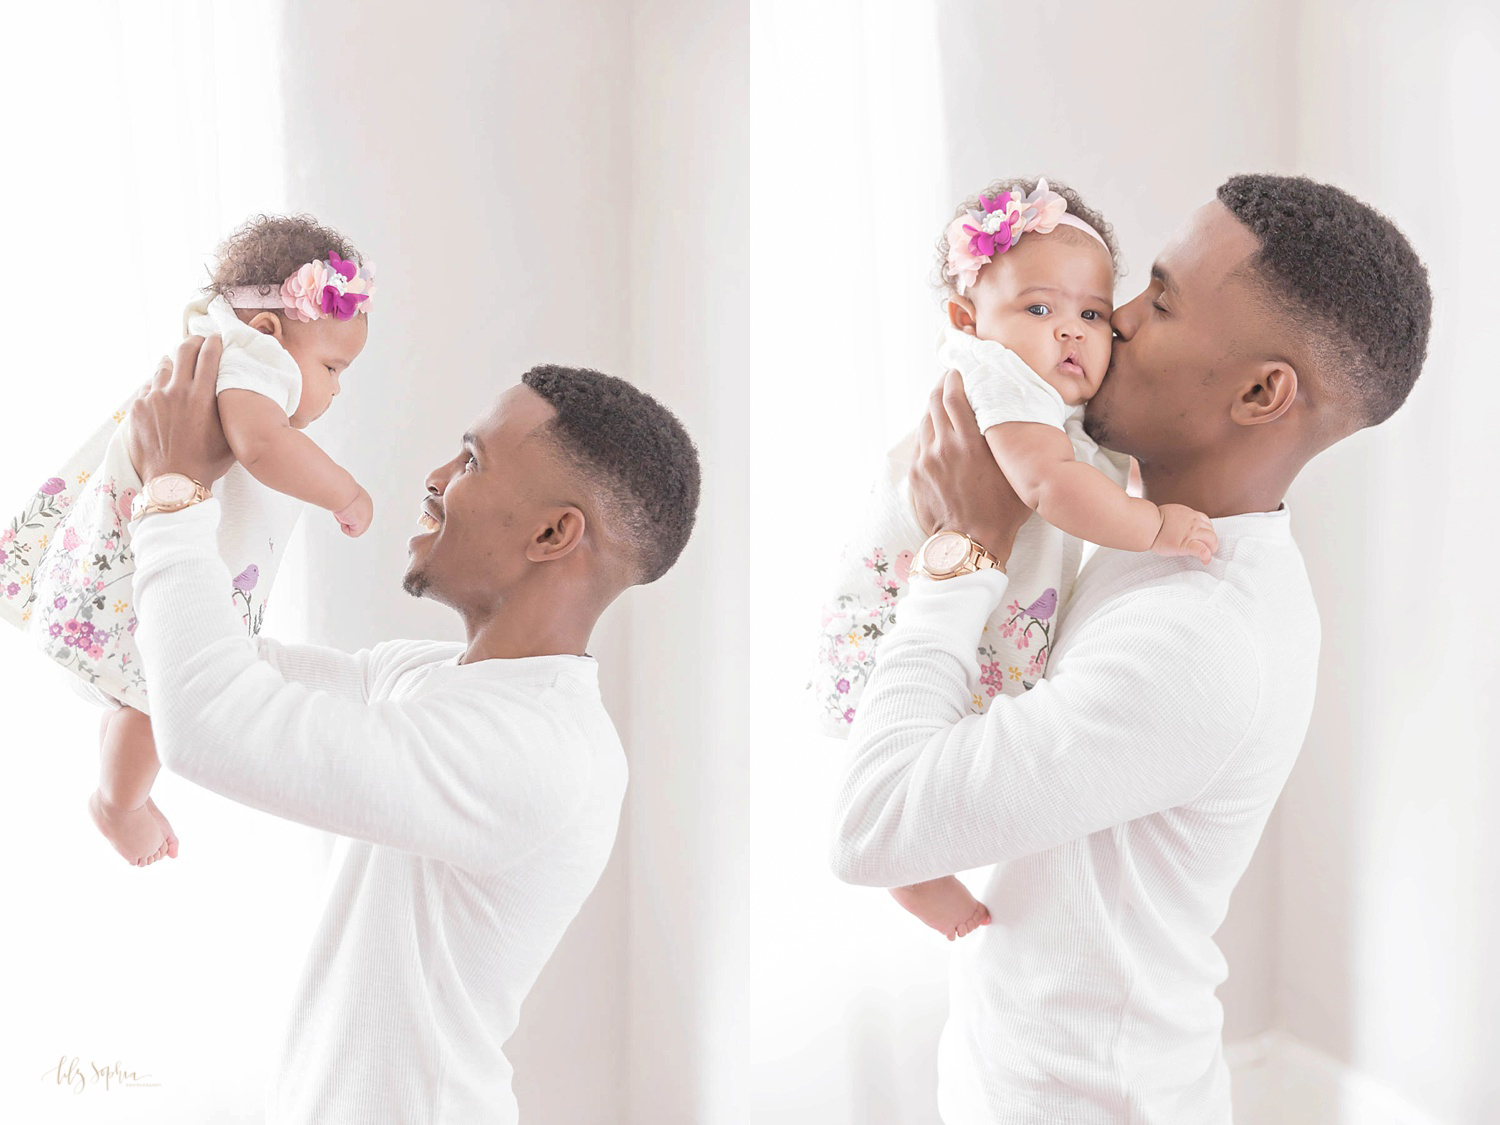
(170, 492)
(948, 554)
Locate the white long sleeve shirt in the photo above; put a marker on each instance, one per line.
(478, 802)
(1118, 801)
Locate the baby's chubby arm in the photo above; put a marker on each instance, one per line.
(286, 459)
(1078, 499)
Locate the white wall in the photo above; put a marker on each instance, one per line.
(1389, 857)
(690, 711)
(482, 156)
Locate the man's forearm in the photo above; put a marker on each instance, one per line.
(876, 843)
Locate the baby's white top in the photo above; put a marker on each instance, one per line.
(253, 361)
(1002, 388)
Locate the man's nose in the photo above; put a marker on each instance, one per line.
(1124, 320)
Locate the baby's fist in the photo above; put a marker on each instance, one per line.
(354, 518)
(1185, 532)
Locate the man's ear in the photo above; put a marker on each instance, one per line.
(961, 314)
(557, 538)
(1269, 396)
(267, 322)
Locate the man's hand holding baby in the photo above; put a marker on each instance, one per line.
(955, 482)
(174, 425)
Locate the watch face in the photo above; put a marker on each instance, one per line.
(171, 488)
(944, 552)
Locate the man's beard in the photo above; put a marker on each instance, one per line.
(1094, 425)
(415, 583)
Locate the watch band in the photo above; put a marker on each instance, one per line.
(144, 505)
(976, 557)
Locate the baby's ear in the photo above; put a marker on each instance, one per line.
(267, 322)
(961, 314)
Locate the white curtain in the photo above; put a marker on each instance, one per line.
(135, 136)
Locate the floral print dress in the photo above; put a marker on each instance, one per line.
(66, 567)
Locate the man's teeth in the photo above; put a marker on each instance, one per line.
(427, 523)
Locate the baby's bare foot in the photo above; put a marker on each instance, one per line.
(136, 834)
(944, 904)
(165, 827)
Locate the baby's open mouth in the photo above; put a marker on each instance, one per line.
(1070, 364)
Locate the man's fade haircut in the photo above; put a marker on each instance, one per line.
(1354, 288)
(637, 454)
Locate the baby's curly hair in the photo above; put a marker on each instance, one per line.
(267, 249)
(1076, 207)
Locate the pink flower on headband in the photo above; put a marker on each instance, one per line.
(341, 305)
(302, 293)
(336, 288)
(341, 266)
(974, 238)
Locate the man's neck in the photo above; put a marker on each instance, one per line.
(1218, 489)
(522, 629)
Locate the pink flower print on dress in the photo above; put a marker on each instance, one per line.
(6, 536)
(71, 542)
(52, 486)
(989, 678)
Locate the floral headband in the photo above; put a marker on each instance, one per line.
(336, 287)
(975, 237)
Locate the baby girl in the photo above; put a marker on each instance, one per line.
(1028, 277)
(286, 298)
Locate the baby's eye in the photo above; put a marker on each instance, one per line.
(1092, 314)
(331, 371)
(1038, 310)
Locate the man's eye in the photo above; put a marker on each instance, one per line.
(469, 460)
(331, 371)
(1038, 310)
(1157, 306)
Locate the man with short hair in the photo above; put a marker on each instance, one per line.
(476, 785)
(1121, 798)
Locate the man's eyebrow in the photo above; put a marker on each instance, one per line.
(1158, 273)
(473, 439)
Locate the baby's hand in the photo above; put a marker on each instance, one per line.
(1185, 532)
(354, 518)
